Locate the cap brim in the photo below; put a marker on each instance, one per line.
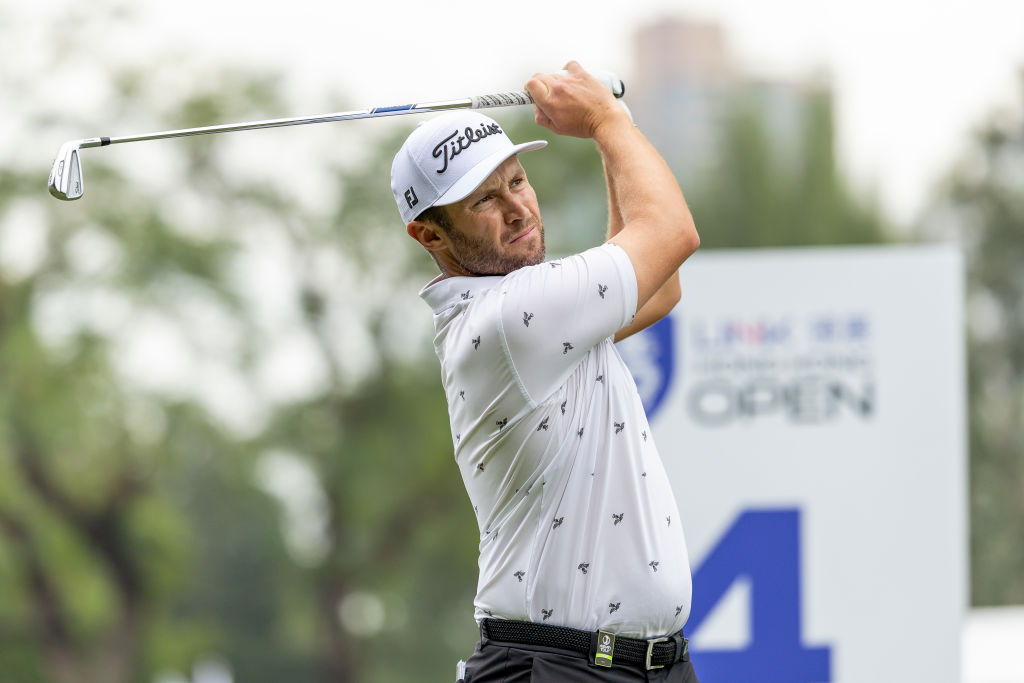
(479, 173)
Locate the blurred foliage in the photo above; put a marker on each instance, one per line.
(102, 544)
(762, 190)
(757, 195)
(142, 530)
(981, 206)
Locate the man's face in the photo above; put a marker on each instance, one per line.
(496, 229)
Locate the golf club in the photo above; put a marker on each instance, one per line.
(66, 176)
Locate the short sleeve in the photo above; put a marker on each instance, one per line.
(554, 313)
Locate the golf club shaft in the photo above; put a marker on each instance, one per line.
(506, 99)
(66, 182)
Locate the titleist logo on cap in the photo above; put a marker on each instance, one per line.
(429, 171)
(452, 146)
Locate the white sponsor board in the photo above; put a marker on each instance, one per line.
(809, 406)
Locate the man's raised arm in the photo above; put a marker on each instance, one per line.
(664, 300)
(657, 232)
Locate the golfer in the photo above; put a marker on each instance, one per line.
(583, 566)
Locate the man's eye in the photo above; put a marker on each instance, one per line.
(483, 199)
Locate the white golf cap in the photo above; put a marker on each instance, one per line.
(448, 157)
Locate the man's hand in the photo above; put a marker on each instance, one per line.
(573, 103)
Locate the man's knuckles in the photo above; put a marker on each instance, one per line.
(537, 88)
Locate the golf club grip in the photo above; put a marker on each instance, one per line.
(502, 99)
(520, 97)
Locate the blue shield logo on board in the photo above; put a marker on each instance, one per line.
(650, 356)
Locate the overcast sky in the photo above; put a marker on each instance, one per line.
(911, 77)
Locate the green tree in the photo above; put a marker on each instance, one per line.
(763, 193)
(762, 190)
(99, 547)
(981, 206)
(137, 533)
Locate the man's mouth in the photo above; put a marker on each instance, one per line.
(524, 233)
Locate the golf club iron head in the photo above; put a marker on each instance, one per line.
(66, 174)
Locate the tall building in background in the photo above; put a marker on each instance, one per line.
(686, 85)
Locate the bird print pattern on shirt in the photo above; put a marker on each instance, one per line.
(544, 425)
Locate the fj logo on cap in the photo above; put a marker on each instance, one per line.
(452, 146)
(411, 198)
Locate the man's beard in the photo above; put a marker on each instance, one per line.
(478, 257)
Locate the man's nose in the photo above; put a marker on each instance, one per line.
(515, 209)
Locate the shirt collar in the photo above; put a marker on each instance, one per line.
(444, 292)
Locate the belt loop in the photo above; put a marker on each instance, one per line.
(683, 647)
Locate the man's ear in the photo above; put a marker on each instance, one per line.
(426, 234)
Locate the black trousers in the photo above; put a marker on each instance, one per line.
(494, 662)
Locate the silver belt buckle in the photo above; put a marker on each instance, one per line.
(650, 650)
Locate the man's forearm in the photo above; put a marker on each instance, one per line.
(667, 296)
(615, 221)
(641, 187)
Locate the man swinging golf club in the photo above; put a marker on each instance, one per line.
(583, 567)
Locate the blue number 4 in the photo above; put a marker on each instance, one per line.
(762, 546)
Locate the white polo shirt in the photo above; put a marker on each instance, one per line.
(578, 524)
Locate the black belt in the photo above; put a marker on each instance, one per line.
(650, 654)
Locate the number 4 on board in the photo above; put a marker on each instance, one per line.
(762, 546)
